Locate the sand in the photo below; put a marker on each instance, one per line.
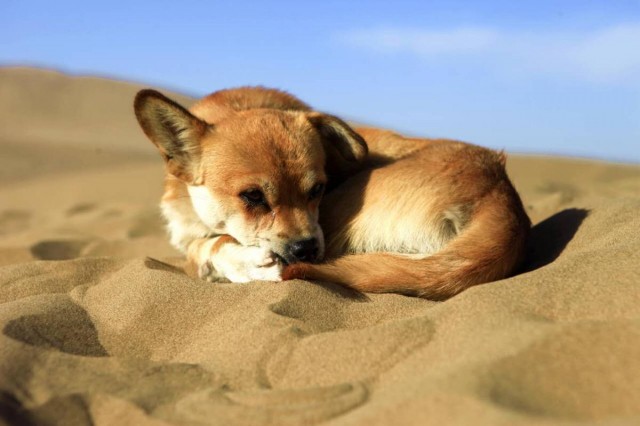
(100, 325)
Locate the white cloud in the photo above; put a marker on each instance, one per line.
(606, 54)
(612, 53)
(423, 42)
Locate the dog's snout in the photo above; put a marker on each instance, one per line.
(305, 250)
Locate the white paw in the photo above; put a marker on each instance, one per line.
(263, 265)
(207, 272)
(245, 264)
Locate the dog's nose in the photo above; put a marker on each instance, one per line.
(304, 250)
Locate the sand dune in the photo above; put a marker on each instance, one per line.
(75, 123)
(100, 325)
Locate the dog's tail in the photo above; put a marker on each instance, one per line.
(490, 248)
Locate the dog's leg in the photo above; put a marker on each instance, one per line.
(223, 257)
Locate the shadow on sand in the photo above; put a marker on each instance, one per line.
(549, 238)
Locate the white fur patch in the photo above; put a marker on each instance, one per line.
(210, 211)
(183, 224)
(416, 233)
(190, 218)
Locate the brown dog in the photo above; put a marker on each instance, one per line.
(247, 169)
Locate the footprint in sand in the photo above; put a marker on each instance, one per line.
(557, 193)
(58, 249)
(66, 327)
(80, 209)
(289, 406)
(577, 372)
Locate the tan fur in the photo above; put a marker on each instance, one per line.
(448, 203)
(416, 216)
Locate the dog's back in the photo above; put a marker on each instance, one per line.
(428, 218)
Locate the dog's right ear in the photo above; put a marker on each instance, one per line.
(345, 149)
(174, 131)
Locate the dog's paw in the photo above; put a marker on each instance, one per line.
(262, 264)
(207, 272)
(251, 264)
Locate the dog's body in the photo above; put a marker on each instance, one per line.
(246, 169)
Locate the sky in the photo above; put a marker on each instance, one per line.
(545, 77)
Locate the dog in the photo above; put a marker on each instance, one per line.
(259, 186)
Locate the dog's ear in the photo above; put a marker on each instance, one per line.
(173, 130)
(345, 149)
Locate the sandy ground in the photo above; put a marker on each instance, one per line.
(99, 327)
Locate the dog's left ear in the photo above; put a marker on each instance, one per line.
(173, 130)
(345, 149)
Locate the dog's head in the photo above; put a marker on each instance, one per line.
(257, 175)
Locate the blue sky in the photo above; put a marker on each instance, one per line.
(529, 76)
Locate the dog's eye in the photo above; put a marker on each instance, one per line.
(253, 197)
(316, 191)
